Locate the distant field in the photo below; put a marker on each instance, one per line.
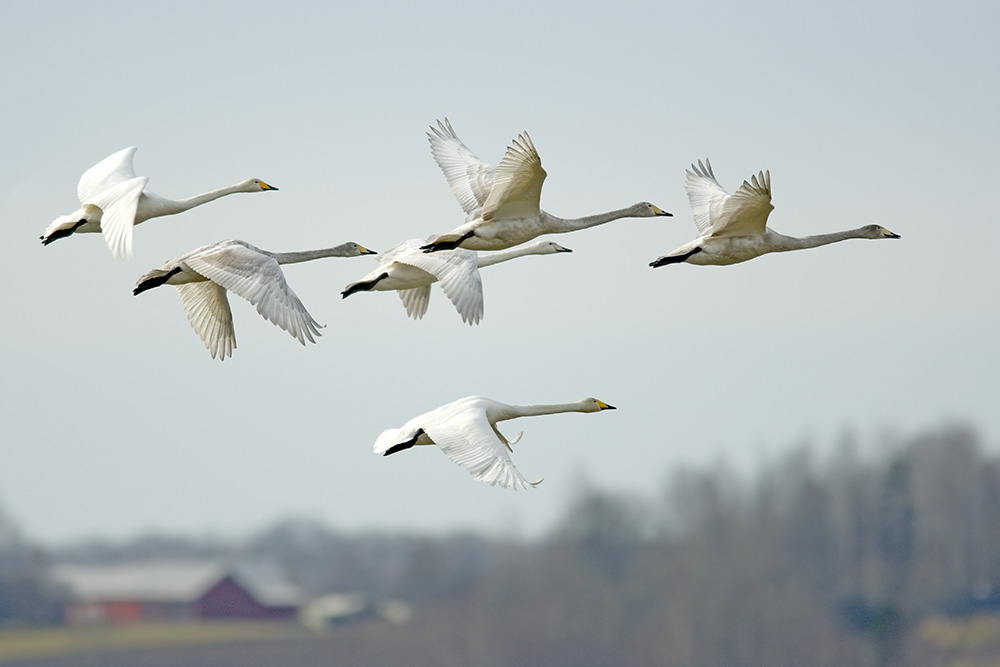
(224, 644)
(968, 642)
(24, 644)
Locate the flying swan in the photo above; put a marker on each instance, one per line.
(734, 227)
(202, 277)
(113, 200)
(411, 272)
(466, 431)
(502, 204)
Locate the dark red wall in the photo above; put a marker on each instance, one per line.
(227, 599)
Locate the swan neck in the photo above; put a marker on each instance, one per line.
(793, 243)
(306, 255)
(537, 410)
(189, 203)
(573, 224)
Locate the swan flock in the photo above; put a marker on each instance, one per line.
(503, 218)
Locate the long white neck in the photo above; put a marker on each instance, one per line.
(515, 411)
(505, 255)
(307, 255)
(172, 206)
(572, 224)
(784, 243)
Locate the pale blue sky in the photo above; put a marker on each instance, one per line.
(116, 420)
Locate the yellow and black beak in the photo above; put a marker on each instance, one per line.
(605, 406)
(366, 251)
(660, 211)
(265, 186)
(890, 235)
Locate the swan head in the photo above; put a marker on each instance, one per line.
(646, 210)
(595, 405)
(547, 248)
(352, 249)
(878, 232)
(255, 185)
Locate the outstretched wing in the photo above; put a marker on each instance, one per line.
(463, 432)
(457, 272)
(107, 173)
(207, 308)
(517, 185)
(246, 271)
(118, 205)
(718, 213)
(416, 300)
(469, 177)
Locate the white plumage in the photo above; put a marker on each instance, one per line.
(733, 228)
(411, 272)
(466, 432)
(502, 204)
(203, 276)
(113, 200)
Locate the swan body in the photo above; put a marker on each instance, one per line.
(734, 227)
(411, 272)
(203, 276)
(113, 200)
(502, 204)
(466, 432)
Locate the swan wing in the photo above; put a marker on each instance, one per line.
(208, 311)
(469, 177)
(517, 185)
(718, 213)
(747, 210)
(465, 435)
(387, 257)
(386, 439)
(107, 173)
(118, 205)
(416, 300)
(257, 277)
(457, 271)
(705, 194)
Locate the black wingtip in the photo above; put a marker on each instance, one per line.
(363, 286)
(404, 445)
(439, 245)
(447, 245)
(142, 287)
(673, 259)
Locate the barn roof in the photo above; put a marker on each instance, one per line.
(176, 581)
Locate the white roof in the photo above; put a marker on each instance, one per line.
(175, 581)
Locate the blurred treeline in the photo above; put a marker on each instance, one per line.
(818, 559)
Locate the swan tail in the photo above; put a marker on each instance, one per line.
(362, 286)
(154, 278)
(447, 242)
(64, 225)
(388, 442)
(673, 259)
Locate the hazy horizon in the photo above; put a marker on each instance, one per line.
(118, 422)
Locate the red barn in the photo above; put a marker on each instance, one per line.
(177, 590)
